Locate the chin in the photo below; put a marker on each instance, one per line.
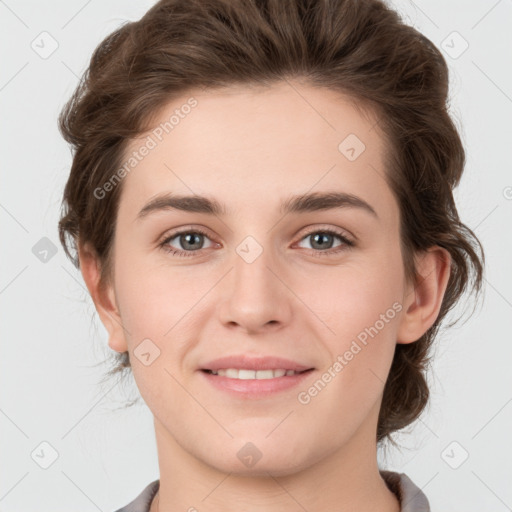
(253, 458)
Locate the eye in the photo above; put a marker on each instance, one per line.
(188, 239)
(191, 242)
(322, 239)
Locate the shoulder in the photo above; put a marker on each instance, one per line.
(411, 497)
(143, 501)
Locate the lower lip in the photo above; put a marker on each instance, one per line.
(256, 388)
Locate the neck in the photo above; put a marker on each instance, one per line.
(349, 479)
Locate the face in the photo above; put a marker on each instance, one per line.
(320, 283)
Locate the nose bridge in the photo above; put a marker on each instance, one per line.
(252, 263)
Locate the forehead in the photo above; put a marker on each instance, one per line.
(244, 145)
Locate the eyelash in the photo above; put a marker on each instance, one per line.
(347, 244)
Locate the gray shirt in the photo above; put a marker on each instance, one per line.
(410, 496)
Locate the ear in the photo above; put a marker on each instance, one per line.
(422, 299)
(103, 297)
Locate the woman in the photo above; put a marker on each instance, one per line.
(261, 206)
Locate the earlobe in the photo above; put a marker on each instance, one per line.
(103, 297)
(423, 299)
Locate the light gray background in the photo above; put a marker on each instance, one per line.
(50, 345)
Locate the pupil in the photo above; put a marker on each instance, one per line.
(320, 236)
(186, 244)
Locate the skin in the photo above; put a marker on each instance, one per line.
(251, 149)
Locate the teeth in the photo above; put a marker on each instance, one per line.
(233, 373)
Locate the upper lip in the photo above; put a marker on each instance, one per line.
(245, 362)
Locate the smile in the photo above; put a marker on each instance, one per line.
(242, 374)
(254, 384)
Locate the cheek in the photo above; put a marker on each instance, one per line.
(362, 309)
(161, 303)
(355, 295)
(153, 310)
(148, 299)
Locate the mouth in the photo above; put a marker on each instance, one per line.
(246, 374)
(246, 384)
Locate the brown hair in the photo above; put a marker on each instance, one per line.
(358, 47)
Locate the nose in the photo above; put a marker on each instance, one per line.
(254, 295)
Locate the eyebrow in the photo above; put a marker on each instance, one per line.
(296, 204)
